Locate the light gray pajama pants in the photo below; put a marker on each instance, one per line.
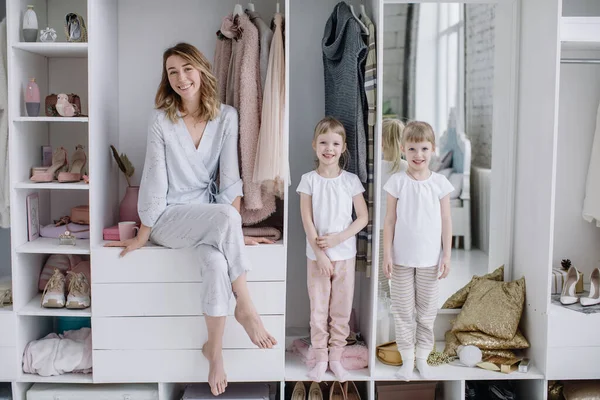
(215, 231)
(415, 291)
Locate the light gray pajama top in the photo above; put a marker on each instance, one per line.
(175, 172)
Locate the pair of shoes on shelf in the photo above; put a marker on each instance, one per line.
(78, 296)
(60, 167)
(338, 391)
(568, 294)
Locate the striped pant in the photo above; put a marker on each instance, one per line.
(415, 289)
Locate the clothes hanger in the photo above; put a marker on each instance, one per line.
(362, 26)
(277, 8)
(238, 10)
(251, 7)
(362, 9)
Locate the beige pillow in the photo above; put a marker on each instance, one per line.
(492, 307)
(458, 299)
(487, 342)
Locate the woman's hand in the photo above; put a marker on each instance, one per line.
(129, 244)
(252, 241)
(329, 241)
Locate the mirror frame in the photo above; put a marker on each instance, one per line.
(504, 123)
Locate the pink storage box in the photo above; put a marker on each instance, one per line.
(111, 233)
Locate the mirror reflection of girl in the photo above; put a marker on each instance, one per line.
(327, 195)
(417, 231)
(391, 146)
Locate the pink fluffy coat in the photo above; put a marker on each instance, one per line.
(354, 357)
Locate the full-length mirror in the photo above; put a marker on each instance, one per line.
(438, 67)
(447, 65)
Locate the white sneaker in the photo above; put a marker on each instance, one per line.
(594, 296)
(79, 291)
(54, 292)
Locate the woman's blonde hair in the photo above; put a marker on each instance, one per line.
(417, 132)
(392, 142)
(166, 99)
(327, 125)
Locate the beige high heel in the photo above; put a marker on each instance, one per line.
(77, 165)
(315, 393)
(59, 161)
(299, 392)
(351, 391)
(568, 295)
(336, 392)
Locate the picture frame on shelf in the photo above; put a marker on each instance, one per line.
(33, 216)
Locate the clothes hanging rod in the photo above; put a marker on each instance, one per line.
(580, 61)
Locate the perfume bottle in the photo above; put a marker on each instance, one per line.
(66, 239)
(32, 98)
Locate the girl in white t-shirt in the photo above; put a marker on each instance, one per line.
(417, 239)
(327, 195)
(391, 146)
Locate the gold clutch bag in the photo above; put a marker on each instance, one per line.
(388, 354)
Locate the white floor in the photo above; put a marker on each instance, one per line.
(463, 266)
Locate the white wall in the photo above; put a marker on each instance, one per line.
(141, 46)
(4, 233)
(574, 238)
(307, 107)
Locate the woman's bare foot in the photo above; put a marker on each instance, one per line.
(247, 316)
(217, 379)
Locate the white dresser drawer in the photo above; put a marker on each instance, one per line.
(8, 364)
(171, 333)
(7, 329)
(159, 264)
(173, 299)
(137, 366)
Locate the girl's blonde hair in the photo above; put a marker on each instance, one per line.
(392, 141)
(417, 132)
(327, 125)
(166, 99)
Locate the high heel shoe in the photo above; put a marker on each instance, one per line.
(77, 165)
(315, 393)
(594, 296)
(351, 391)
(337, 392)
(299, 392)
(59, 161)
(568, 295)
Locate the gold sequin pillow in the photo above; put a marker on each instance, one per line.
(492, 307)
(452, 344)
(487, 342)
(498, 353)
(458, 299)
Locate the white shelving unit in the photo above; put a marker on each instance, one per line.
(112, 73)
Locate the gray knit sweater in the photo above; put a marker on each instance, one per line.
(344, 56)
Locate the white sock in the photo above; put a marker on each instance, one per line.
(405, 372)
(340, 372)
(316, 374)
(424, 368)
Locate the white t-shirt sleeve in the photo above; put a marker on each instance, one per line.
(445, 186)
(305, 185)
(391, 186)
(356, 186)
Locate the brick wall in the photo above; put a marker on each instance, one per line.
(479, 80)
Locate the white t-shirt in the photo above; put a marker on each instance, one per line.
(332, 209)
(386, 173)
(418, 231)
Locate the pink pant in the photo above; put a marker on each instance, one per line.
(330, 296)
